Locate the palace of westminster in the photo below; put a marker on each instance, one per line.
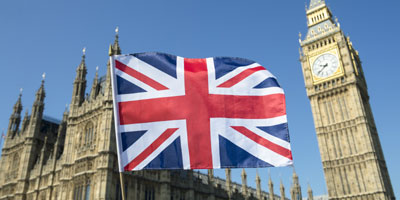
(75, 158)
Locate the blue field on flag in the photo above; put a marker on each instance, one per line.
(187, 113)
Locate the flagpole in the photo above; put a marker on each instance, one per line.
(121, 178)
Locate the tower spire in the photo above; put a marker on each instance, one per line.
(15, 117)
(78, 94)
(244, 183)
(228, 182)
(95, 84)
(25, 121)
(319, 19)
(310, 193)
(282, 189)
(295, 191)
(83, 61)
(210, 176)
(114, 48)
(270, 186)
(258, 183)
(38, 105)
(18, 104)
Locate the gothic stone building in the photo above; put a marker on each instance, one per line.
(351, 152)
(76, 158)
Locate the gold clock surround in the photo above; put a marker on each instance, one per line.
(313, 57)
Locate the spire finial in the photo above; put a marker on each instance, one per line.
(97, 69)
(115, 49)
(82, 64)
(20, 92)
(43, 77)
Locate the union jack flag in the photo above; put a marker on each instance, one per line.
(179, 113)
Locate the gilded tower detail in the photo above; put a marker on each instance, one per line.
(351, 152)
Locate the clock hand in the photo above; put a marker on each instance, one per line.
(323, 67)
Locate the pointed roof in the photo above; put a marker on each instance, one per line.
(114, 48)
(18, 104)
(258, 179)
(40, 94)
(295, 177)
(281, 185)
(66, 112)
(95, 84)
(244, 172)
(82, 65)
(269, 179)
(309, 192)
(316, 3)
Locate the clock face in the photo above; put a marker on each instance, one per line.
(325, 65)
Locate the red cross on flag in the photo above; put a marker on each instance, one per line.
(179, 113)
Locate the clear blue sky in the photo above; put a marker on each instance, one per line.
(48, 36)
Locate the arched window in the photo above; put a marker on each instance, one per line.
(82, 190)
(89, 134)
(87, 192)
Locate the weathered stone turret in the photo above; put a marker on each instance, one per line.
(78, 92)
(15, 117)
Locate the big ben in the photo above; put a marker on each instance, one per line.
(351, 153)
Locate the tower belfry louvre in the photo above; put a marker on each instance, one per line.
(351, 153)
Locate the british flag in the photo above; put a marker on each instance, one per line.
(179, 113)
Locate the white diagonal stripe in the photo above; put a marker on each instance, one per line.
(254, 148)
(148, 70)
(156, 152)
(234, 73)
(134, 80)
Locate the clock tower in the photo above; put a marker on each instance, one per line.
(351, 153)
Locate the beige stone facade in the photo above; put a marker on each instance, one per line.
(75, 158)
(351, 152)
